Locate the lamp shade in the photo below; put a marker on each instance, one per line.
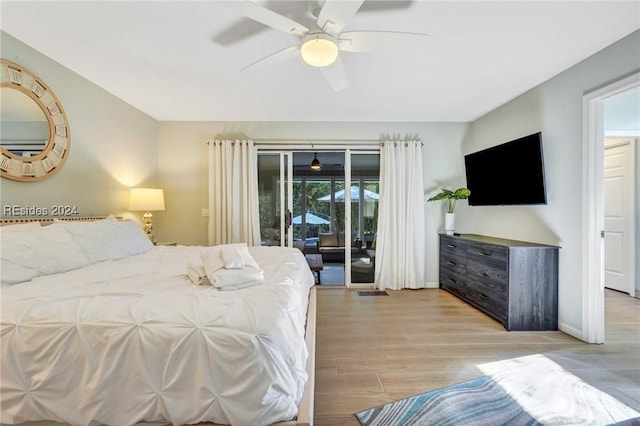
(319, 50)
(146, 199)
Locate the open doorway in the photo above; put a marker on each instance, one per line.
(598, 181)
(621, 201)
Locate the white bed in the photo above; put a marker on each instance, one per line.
(123, 341)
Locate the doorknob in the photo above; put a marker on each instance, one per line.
(287, 219)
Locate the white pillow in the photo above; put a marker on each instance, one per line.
(12, 273)
(108, 239)
(132, 238)
(111, 218)
(92, 237)
(42, 251)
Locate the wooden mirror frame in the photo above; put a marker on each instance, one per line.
(56, 150)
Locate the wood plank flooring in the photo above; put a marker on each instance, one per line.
(374, 349)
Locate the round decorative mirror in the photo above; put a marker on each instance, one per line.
(34, 130)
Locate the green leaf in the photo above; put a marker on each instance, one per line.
(461, 193)
(451, 197)
(445, 194)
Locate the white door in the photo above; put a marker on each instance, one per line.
(618, 216)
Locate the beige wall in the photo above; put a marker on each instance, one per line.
(183, 167)
(555, 108)
(113, 145)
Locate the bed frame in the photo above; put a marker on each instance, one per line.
(305, 408)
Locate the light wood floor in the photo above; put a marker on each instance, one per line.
(376, 349)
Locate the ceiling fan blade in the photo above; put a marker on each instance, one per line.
(275, 58)
(268, 17)
(369, 41)
(335, 75)
(239, 31)
(335, 14)
(384, 5)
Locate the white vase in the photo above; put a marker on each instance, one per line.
(449, 223)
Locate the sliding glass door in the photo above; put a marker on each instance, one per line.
(322, 215)
(275, 193)
(365, 187)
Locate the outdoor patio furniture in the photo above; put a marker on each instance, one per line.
(362, 269)
(331, 246)
(299, 244)
(315, 264)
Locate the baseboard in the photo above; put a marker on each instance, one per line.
(571, 331)
(364, 286)
(369, 285)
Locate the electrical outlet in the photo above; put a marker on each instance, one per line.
(205, 212)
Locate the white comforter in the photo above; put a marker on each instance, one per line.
(133, 340)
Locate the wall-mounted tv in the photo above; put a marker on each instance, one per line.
(508, 174)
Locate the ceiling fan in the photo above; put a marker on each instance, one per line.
(321, 42)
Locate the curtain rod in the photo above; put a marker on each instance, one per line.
(316, 141)
(326, 143)
(318, 147)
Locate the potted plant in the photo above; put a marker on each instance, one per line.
(452, 197)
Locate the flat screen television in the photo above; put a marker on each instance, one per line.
(508, 174)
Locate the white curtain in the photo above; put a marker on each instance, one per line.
(233, 192)
(400, 244)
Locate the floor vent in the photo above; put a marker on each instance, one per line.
(373, 293)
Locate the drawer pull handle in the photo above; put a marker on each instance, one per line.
(484, 254)
(451, 246)
(483, 296)
(484, 274)
(450, 280)
(451, 263)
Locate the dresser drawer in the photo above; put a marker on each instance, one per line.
(453, 282)
(492, 304)
(493, 289)
(450, 246)
(453, 264)
(492, 276)
(488, 254)
(452, 279)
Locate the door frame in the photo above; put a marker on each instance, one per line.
(286, 194)
(286, 153)
(593, 206)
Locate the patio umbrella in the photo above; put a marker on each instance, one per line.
(355, 194)
(310, 219)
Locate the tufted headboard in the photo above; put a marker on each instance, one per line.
(49, 220)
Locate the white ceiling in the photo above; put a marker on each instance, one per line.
(166, 58)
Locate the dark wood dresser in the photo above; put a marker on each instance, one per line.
(515, 282)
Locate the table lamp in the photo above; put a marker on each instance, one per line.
(147, 200)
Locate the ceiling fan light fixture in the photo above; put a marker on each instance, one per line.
(319, 50)
(315, 164)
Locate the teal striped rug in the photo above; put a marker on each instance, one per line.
(462, 403)
(541, 393)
